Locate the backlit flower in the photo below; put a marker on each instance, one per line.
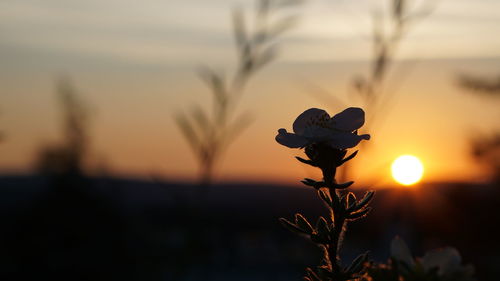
(401, 252)
(447, 260)
(315, 126)
(444, 262)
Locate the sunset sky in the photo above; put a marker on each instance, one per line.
(135, 63)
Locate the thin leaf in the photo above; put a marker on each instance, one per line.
(201, 119)
(343, 185)
(266, 56)
(323, 230)
(359, 214)
(325, 196)
(378, 32)
(313, 183)
(241, 123)
(291, 226)
(351, 200)
(357, 264)
(349, 157)
(324, 273)
(263, 8)
(364, 202)
(397, 9)
(303, 224)
(239, 29)
(312, 275)
(188, 132)
(216, 83)
(306, 161)
(379, 67)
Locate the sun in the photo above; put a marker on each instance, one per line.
(407, 169)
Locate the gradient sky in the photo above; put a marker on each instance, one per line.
(135, 62)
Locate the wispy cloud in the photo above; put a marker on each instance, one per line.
(190, 31)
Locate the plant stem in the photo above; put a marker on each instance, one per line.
(338, 218)
(339, 221)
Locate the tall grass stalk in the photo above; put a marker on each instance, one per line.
(209, 133)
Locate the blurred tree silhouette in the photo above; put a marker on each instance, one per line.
(67, 157)
(480, 85)
(69, 229)
(485, 147)
(210, 133)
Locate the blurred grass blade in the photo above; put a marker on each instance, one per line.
(215, 82)
(201, 119)
(239, 29)
(188, 131)
(241, 123)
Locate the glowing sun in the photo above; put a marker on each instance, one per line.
(407, 169)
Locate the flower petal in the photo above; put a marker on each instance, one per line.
(308, 118)
(290, 140)
(345, 140)
(400, 251)
(447, 260)
(317, 133)
(348, 120)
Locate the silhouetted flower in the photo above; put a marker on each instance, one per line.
(325, 141)
(315, 126)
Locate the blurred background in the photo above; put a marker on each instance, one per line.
(137, 137)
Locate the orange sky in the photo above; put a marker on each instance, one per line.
(137, 77)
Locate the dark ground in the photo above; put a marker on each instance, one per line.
(77, 228)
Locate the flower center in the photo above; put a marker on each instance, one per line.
(319, 121)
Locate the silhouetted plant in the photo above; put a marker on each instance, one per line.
(67, 157)
(209, 133)
(388, 32)
(325, 141)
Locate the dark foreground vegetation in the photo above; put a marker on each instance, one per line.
(79, 228)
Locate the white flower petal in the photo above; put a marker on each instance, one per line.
(447, 260)
(290, 140)
(315, 125)
(309, 118)
(345, 140)
(400, 251)
(348, 120)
